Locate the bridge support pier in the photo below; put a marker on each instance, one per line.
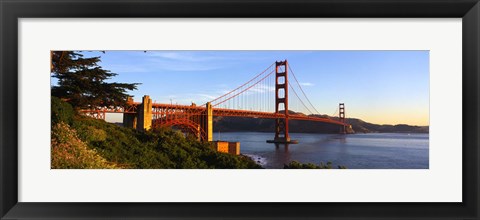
(130, 120)
(144, 122)
(207, 123)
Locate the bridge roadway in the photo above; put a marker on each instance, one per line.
(161, 109)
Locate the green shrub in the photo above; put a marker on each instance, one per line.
(69, 152)
(61, 111)
(91, 134)
(158, 149)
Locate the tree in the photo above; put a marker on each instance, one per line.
(81, 81)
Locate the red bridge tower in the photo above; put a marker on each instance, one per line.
(281, 100)
(341, 117)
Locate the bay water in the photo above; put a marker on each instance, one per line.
(355, 151)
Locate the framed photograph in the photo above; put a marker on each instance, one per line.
(252, 110)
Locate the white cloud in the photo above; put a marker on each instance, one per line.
(122, 68)
(307, 84)
(184, 61)
(184, 56)
(261, 89)
(209, 97)
(174, 65)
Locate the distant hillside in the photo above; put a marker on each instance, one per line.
(232, 124)
(360, 126)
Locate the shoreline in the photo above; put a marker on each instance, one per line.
(262, 161)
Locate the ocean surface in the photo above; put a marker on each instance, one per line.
(355, 151)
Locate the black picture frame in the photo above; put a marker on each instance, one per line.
(12, 10)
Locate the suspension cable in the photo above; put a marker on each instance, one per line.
(302, 89)
(333, 115)
(243, 84)
(244, 89)
(299, 98)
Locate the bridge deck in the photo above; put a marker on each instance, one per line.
(216, 112)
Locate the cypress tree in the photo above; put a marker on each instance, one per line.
(81, 81)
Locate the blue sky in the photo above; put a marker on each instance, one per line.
(384, 87)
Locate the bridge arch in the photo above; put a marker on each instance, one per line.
(185, 125)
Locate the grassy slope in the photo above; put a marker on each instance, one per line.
(156, 149)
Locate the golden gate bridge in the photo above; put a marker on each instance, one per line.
(252, 99)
